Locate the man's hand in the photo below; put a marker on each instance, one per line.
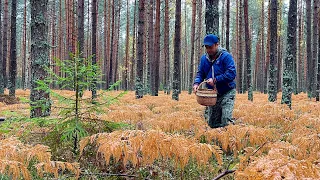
(195, 88)
(211, 81)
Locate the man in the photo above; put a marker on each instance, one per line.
(217, 67)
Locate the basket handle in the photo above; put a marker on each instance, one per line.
(214, 86)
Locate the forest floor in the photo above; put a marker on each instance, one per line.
(159, 138)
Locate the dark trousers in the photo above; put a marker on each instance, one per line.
(220, 115)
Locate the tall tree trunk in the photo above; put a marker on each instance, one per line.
(1, 57)
(127, 51)
(228, 25)
(81, 27)
(139, 78)
(112, 45)
(200, 33)
(94, 44)
(291, 55)
(13, 49)
(248, 49)
(309, 50)
(116, 58)
(166, 48)
(267, 60)
(39, 58)
(5, 44)
(133, 47)
(157, 50)
(193, 27)
(262, 59)
(318, 72)
(272, 90)
(279, 46)
(60, 34)
(315, 47)
(177, 55)
(24, 50)
(222, 40)
(150, 70)
(212, 17)
(240, 54)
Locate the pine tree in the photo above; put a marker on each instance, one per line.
(139, 78)
(177, 51)
(272, 90)
(248, 51)
(13, 50)
(212, 17)
(39, 99)
(291, 54)
(1, 57)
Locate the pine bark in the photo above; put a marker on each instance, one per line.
(132, 75)
(1, 57)
(166, 48)
(39, 58)
(315, 47)
(291, 54)
(248, 49)
(272, 86)
(150, 70)
(125, 78)
(81, 27)
(228, 25)
(139, 78)
(157, 51)
(177, 55)
(13, 50)
(193, 27)
(94, 43)
(24, 43)
(309, 50)
(240, 53)
(5, 44)
(212, 17)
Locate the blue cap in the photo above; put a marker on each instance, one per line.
(210, 40)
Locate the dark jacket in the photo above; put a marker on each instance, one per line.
(224, 71)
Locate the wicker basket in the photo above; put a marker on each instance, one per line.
(205, 96)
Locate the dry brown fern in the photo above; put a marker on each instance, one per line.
(152, 145)
(15, 157)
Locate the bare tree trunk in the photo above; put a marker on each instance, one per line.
(228, 25)
(309, 50)
(133, 48)
(24, 50)
(1, 57)
(150, 67)
(166, 48)
(39, 58)
(262, 59)
(5, 44)
(157, 50)
(13, 49)
(248, 49)
(127, 51)
(139, 78)
(112, 45)
(279, 46)
(315, 47)
(267, 60)
(177, 55)
(291, 54)
(94, 44)
(193, 26)
(81, 27)
(240, 56)
(212, 17)
(272, 88)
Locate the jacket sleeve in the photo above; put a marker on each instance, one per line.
(200, 73)
(230, 71)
